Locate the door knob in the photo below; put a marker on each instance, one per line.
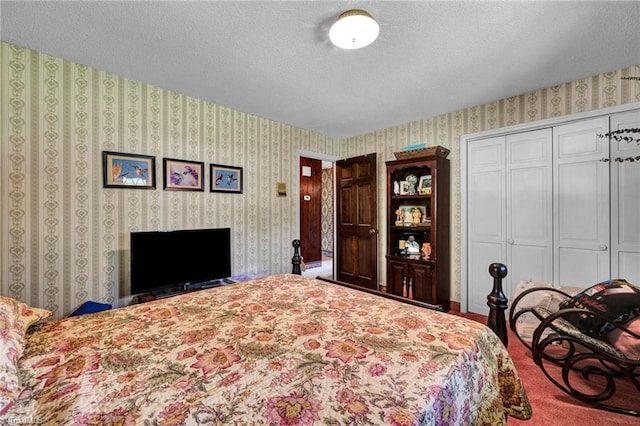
(373, 231)
(510, 241)
(602, 247)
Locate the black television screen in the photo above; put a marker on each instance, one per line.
(162, 260)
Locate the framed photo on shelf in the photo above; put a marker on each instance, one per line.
(120, 170)
(425, 181)
(183, 175)
(412, 242)
(404, 187)
(413, 215)
(225, 179)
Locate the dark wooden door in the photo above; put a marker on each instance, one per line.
(357, 221)
(310, 209)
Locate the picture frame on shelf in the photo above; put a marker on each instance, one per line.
(408, 214)
(404, 187)
(183, 175)
(122, 170)
(413, 242)
(425, 181)
(225, 179)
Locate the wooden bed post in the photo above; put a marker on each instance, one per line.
(296, 260)
(497, 303)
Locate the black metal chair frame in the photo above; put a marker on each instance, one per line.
(582, 359)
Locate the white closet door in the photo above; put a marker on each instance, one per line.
(625, 202)
(486, 217)
(581, 203)
(529, 208)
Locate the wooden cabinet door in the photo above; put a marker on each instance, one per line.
(396, 273)
(422, 281)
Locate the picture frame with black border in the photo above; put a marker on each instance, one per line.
(225, 179)
(183, 175)
(124, 170)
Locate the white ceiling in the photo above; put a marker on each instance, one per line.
(273, 58)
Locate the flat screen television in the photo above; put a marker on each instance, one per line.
(178, 260)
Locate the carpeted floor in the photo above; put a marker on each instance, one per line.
(551, 406)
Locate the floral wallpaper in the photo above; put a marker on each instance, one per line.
(65, 238)
(588, 94)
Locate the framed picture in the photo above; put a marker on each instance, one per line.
(404, 187)
(122, 170)
(425, 182)
(225, 178)
(413, 215)
(412, 242)
(183, 175)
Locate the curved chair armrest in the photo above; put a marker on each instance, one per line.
(514, 304)
(558, 322)
(515, 311)
(563, 313)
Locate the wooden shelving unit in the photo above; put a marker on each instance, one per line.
(419, 184)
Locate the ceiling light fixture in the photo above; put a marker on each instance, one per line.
(354, 29)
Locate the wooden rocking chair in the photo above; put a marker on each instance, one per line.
(587, 368)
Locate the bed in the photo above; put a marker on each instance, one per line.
(278, 350)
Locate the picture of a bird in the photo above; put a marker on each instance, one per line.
(185, 176)
(225, 179)
(177, 177)
(140, 172)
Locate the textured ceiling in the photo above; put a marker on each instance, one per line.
(273, 59)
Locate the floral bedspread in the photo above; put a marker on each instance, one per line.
(279, 350)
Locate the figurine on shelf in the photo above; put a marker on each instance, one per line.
(412, 180)
(417, 216)
(399, 216)
(426, 250)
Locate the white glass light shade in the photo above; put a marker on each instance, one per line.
(354, 29)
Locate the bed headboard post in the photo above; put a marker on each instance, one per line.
(497, 303)
(296, 260)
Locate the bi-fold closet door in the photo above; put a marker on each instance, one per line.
(625, 195)
(509, 216)
(581, 225)
(544, 203)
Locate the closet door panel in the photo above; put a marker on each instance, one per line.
(484, 254)
(625, 201)
(580, 268)
(486, 217)
(581, 203)
(627, 266)
(529, 207)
